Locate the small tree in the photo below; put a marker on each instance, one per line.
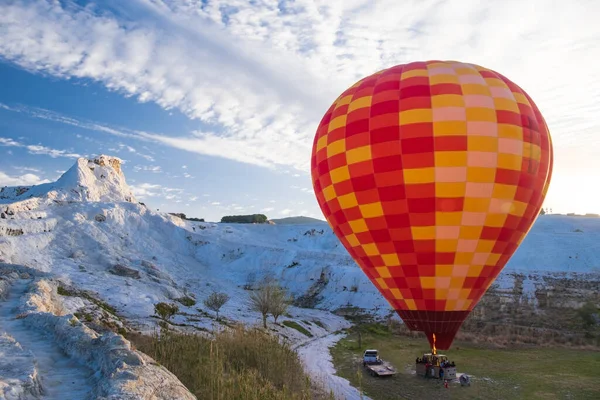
(215, 301)
(165, 311)
(261, 299)
(280, 302)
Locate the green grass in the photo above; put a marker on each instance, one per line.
(298, 327)
(507, 373)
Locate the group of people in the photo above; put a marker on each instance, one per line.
(443, 364)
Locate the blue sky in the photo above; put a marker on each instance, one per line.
(213, 104)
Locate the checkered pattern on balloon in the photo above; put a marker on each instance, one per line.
(431, 174)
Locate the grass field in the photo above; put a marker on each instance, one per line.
(507, 373)
(239, 364)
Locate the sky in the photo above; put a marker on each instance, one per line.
(213, 105)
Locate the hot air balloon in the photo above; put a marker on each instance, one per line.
(431, 174)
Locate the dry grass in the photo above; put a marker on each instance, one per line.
(507, 335)
(240, 363)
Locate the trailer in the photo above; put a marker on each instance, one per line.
(376, 366)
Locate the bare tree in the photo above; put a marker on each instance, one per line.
(280, 302)
(260, 300)
(215, 301)
(270, 298)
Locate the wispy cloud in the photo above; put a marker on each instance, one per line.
(259, 75)
(22, 180)
(121, 147)
(148, 168)
(38, 149)
(29, 169)
(146, 190)
(178, 62)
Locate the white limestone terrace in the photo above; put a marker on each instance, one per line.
(87, 231)
(48, 354)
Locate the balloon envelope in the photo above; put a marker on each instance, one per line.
(431, 174)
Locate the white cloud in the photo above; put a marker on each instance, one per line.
(147, 157)
(178, 62)
(267, 209)
(287, 211)
(215, 203)
(29, 169)
(186, 175)
(9, 142)
(22, 180)
(261, 75)
(145, 190)
(38, 149)
(148, 168)
(50, 115)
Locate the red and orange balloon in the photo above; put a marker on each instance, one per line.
(431, 174)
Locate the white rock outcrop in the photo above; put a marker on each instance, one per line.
(122, 372)
(93, 180)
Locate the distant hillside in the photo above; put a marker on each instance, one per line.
(297, 221)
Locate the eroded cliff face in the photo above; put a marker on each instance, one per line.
(538, 308)
(113, 162)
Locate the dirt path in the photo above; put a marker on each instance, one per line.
(317, 360)
(61, 377)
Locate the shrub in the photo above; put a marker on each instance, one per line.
(165, 311)
(187, 301)
(215, 301)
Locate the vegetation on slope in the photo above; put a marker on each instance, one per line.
(238, 364)
(245, 219)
